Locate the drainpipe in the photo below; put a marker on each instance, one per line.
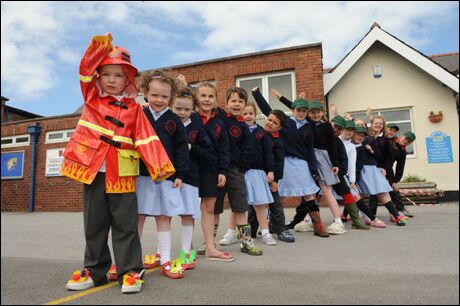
(34, 131)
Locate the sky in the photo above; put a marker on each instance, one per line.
(42, 42)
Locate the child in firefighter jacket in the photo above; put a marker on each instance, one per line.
(103, 153)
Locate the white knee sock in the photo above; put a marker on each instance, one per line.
(164, 246)
(187, 236)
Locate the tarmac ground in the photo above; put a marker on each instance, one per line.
(415, 264)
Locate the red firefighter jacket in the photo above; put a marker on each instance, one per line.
(111, 130)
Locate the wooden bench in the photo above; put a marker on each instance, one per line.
(420, 193)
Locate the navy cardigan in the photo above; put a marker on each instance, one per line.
(171, 132)
(297, 142)
(219, 158)
(200, 151)
(262, 151)
(239, 140)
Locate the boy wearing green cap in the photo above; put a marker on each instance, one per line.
(391, 132)
(399, 156)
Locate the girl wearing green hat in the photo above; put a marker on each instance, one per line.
(328, 160)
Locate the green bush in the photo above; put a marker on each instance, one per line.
(413, 178)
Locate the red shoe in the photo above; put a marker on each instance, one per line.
(401, 217)
(171, 271)
(399, 221)
(112, 275)
(152, 261)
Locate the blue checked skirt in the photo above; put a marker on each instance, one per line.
(158, 198)
(325, 168)
(372, 181)
(297, 180)
(257, 187)
(191, 200)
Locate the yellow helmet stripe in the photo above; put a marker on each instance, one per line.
(85, 79)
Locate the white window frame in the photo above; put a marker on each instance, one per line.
(411, 121)
(64, 139)
(14, 143)
(265, 90)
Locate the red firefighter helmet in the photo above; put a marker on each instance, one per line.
(120, 56)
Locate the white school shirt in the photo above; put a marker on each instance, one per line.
(156, 115)
(299, 124)
(351, 154)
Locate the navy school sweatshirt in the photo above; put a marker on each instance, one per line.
(171, 132)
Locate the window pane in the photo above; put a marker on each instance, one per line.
(399, 115)
(22, 139)
(140, 98)
(53, 136)
(404, 127)
(248, 85)
(69, 134)
(362, 115)
(7, 141)
(283, 84)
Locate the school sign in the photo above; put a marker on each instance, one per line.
(439, 148)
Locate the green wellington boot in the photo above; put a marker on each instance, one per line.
(354, 214)
(247, 242)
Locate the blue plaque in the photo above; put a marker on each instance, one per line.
(12, 165)
(439, 148)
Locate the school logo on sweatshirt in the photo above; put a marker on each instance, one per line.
(235, 131)
(217, 131)
(259, 135)
(192, 136)
(171, 127)
(305, 134)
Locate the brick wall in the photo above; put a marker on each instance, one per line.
(63, 194)
(51, 193)
(307, 64)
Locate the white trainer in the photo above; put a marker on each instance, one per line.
(132, 282)
(228, 239)
(304, 227)
(80, 284)
(336, 229)
(268, 239)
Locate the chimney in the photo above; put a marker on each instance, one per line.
(375, 24)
